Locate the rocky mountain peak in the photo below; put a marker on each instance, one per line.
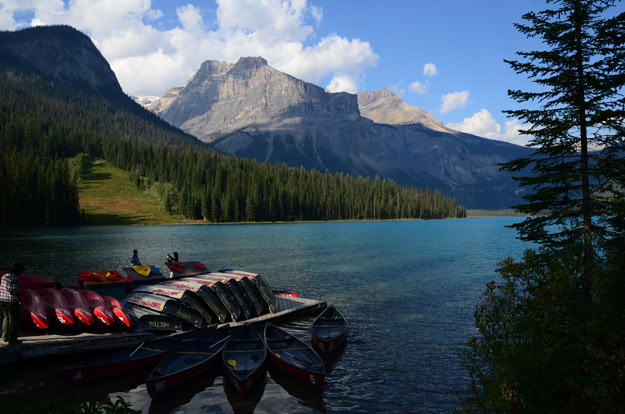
(214, 67)
(384, 107)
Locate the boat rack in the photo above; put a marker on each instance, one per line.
(42, 346)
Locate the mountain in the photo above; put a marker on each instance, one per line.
(253, 110)
(83, 84)
(384, 107)
(61, 53)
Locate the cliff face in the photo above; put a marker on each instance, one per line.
(61, 53)
(384, 107)
(253, 110)
(223, 98)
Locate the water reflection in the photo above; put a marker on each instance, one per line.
(183, 394)
(20, 385)
(247, 403)
(305, 395)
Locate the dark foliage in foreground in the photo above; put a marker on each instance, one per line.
(552, 331)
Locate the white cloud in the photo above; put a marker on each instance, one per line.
(484, 125)
(417, 87)
(429, 70)
(397, 90)
(342, 83)
(148, 60)
(453, 101)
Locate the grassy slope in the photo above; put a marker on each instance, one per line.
(108, 197)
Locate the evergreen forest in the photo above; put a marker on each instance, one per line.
(45, 125)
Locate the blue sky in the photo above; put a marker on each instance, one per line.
(351, 45)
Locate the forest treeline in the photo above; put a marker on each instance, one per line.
(43, 124)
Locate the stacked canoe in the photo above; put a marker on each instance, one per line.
(200, 300)
(61, 309)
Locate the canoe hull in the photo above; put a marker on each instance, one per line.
(313, 380)
(327, 347)
(83, 375)
(329, 330)
(188, 361)
(244, 357)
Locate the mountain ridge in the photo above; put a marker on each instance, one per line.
(253, 110)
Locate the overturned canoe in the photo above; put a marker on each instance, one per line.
(250, 291)
(184, 295)
(260, 283)
(79, 306)
(165, 305)
(57, 305)
(147, 320)
(207, 294)
(233, 287)
(33, 312)
(98, 307)
(223, 293)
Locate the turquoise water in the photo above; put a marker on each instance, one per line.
(407, 288)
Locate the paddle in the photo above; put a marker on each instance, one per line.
(138, 348)
(217, 343)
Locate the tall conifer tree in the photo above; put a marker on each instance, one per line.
(577, 128)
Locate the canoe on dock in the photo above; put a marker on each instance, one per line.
(329, 330)
(237, 294)
(223, 293)
(79, 306)
(244, 358)
(145, 356)
(184, 295)
(188, 361)
(98, 307)
(34, 311)
(250, 291)
(57, 306)
(206, 293)
(294, 357)
(260, 283)
(165, 305)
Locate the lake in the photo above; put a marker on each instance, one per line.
(407, 289)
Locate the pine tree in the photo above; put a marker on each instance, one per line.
(581, 77)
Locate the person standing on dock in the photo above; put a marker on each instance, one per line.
(134, 260)
(10, 303)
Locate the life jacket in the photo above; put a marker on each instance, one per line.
(176, 266)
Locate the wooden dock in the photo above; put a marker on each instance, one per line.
(40, 346)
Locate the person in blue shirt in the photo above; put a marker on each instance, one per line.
(134, 260)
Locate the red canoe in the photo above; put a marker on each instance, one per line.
(33, 312)
(118, 310)
(131, 360)
(188, 361)
(79, 305)
(98, 307)
(294, 357)
(57, 305)
(244, 358)
(329, 330)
